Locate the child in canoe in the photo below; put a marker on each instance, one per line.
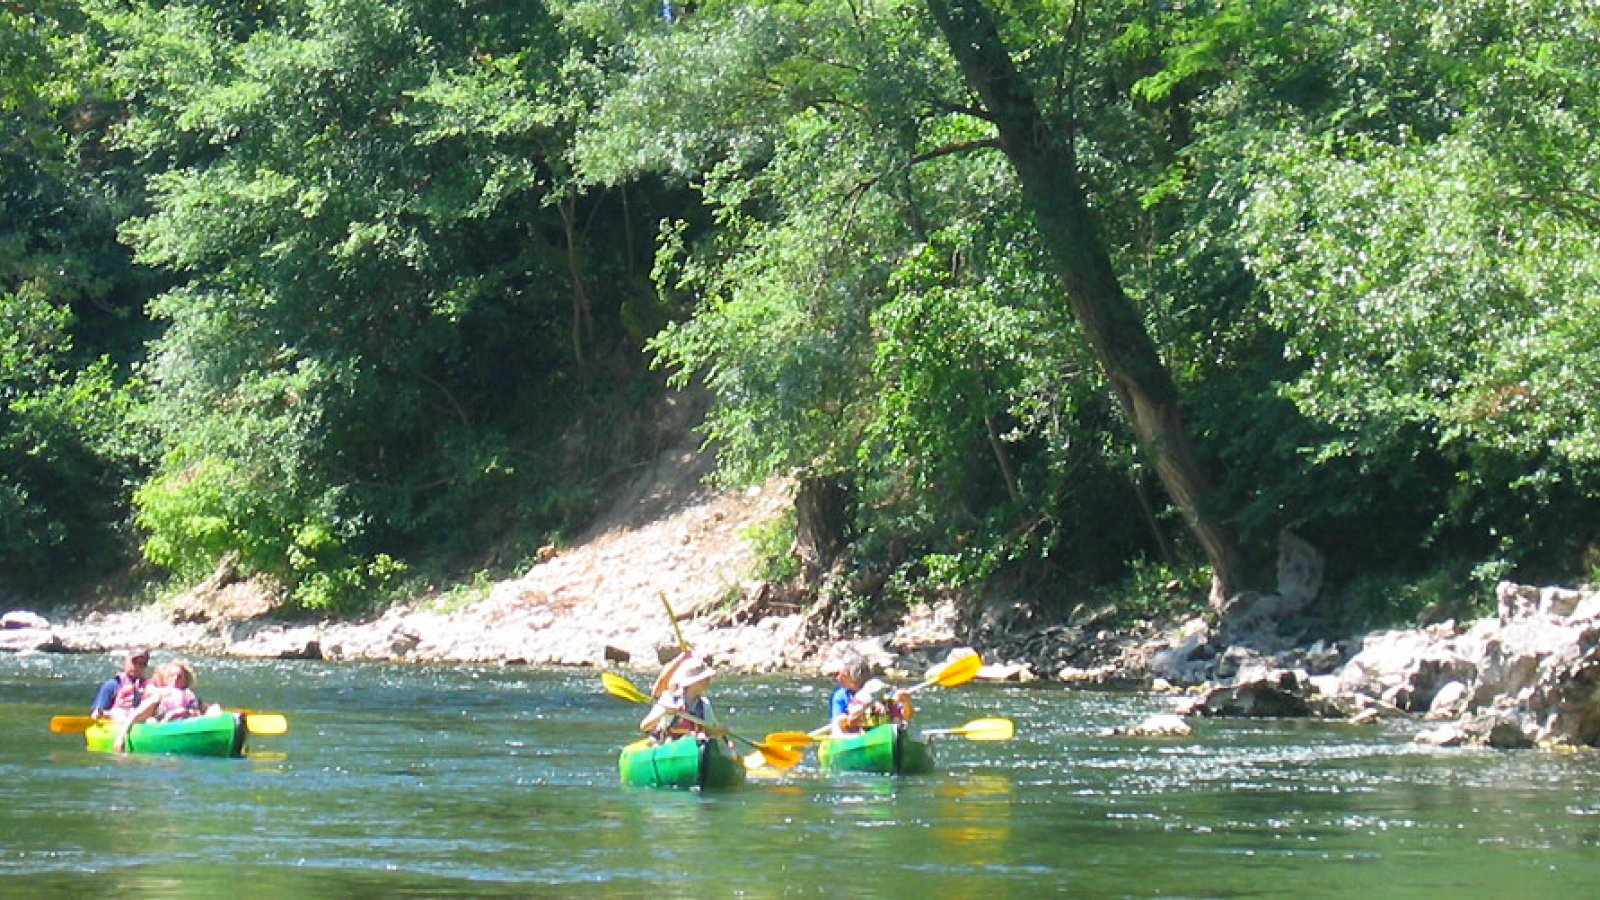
(680, 694)
(168, 696)
(862, 701)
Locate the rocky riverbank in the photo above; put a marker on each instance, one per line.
(1528, 676)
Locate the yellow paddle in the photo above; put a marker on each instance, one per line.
(960, 670)
(777, 757)
(673, 618)
(255, 723)
(265, 723)
(979, 730)
(976, 730)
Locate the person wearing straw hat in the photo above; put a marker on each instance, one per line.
(684, 693)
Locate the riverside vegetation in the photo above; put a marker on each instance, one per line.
(1063, 316)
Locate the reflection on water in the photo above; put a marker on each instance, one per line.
(973, 814)
(484, 781)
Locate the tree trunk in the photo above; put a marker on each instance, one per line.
(821, 520)
(582, 316)
(1046, 167)
(1003, 458)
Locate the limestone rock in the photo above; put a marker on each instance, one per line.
(1159, 725)
(1257, 700)
(20, 618)
(1300, 568)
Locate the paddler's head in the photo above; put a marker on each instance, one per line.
(693, 677)
(853, 672)
(135, 660)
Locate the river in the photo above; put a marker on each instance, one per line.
(444, 781)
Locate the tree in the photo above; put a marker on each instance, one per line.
(1427, 244)
(385, 281)
(70, 321)
(871, 304)
(1047, 171)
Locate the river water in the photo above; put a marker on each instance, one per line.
(399, 781)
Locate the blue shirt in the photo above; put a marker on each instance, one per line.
(840, 704)
(106, 696)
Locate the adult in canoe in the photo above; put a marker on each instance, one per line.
(120, 695)
(687, 746)
(767, 754)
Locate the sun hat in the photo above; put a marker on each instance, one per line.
(136, 652)
(690, 671)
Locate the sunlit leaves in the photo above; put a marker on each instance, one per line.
(1436, 274)
(69, 320)
(357, 194)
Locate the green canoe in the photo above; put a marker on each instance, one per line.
(887, 749)
(683, 763)
(221, 734)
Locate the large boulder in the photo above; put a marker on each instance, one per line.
(1405, 668)
(1530, 674)
(22, 631)
(19, 619)
(1300, 568)
(1267, 695)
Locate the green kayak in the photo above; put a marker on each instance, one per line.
(887, 749)
(221, 734)
(683, 763)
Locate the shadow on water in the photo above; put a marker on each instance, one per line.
(400, 781)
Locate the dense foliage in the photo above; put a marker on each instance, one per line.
(70, 307)
(337, 289)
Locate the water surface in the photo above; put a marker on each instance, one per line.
(398, 781)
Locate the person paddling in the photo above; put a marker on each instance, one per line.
(122, 692)
(682, 689)
(862, 701)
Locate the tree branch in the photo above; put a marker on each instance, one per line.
(949, 150)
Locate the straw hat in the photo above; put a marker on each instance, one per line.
(692, 670)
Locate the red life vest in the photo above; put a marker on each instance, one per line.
(128, 693)
(671, 726)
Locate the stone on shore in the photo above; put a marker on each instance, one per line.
(22, 631)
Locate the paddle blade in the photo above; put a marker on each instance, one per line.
(776, 757)
(266, 723)
(617, 686)
(960, 670)
(791, 739)
(980, 730)
(71, 724)
(989, 730)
